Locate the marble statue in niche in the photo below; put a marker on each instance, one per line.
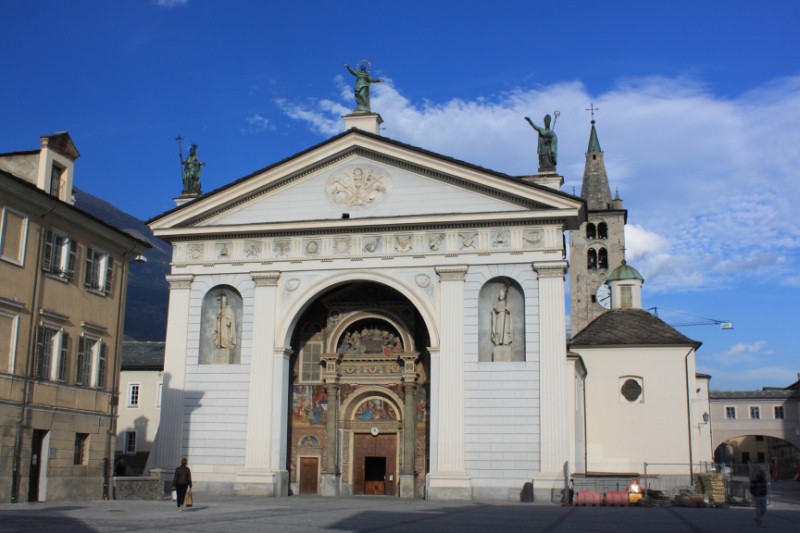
(502, 321)
(219, 331)
(225, 325)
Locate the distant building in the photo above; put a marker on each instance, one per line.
(140, 384)
(63, 277)
(761, 426)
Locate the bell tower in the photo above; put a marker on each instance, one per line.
(599, 244)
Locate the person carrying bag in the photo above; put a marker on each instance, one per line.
(181, 483)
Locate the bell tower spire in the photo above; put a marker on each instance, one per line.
(598, 243)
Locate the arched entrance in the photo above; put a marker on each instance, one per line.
(779, 457)
(359, 395)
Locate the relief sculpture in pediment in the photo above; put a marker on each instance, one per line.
(360, 186)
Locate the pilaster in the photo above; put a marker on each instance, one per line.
(169, 444)
(329, 482)
(552, 368)
(258, 476)
(450, 479)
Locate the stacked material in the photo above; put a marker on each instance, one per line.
(712, 486)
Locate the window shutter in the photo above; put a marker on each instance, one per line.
(109, 274)
(47, 260)
(80, 362)
(73, 255)
(37, 371)
(64, 360)
(101, 366)
(87, 274)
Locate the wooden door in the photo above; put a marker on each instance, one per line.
(309, 475)
(36, 463)
(374, 449)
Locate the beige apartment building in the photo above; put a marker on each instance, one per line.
(62, 300)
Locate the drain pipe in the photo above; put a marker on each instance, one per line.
(689, 415)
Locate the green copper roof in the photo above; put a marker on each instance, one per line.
(594, 143)
(624, 271)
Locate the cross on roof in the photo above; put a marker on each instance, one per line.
(592, 108)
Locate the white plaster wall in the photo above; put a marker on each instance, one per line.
(149, 409)
(623, 435)
(501, 398)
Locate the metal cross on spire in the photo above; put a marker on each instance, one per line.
(592, 108)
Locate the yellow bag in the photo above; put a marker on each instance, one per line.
(189, 502)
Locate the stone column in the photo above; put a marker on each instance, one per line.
(280, 418)
(450, 480)
(257, 476)
(329, 483)
(407, 464)
(167, 449)
(409, 440)
(554, 413)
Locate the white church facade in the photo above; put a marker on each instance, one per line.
(367, 317)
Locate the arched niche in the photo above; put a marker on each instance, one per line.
(221, 327)
(502, 321)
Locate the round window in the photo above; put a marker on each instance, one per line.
(631, 390)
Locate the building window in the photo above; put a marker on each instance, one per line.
(626, 297)
(60, 252)
(591, 259)
(631, 389)
(602, 258)
(13, 235)
(130, 442)
(755, 412)
(9, 325)
(56, 179)
(602, 231)
(133, 395)
(99, 272)
(309, 358)
(730, 413)
(779, 412)
(590, 231)
(81, 456)
(52, 353)
(90, 370)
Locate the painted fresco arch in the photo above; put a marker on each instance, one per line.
(324, 283)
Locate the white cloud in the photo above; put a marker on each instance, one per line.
(745, 348)
(171, 3)
(710, 182)
(257, 124)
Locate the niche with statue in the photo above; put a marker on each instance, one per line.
(502, 321)
(221, 323)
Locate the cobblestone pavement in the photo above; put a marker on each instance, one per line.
(233, 514)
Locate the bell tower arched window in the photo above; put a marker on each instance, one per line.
(602, 230)
(602, 258)
(590, 231)
(591, 260)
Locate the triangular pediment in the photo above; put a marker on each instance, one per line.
(359, 178)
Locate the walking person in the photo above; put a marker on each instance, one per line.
(758, 488)
(182, 482)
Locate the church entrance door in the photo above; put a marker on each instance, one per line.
(309, 475)
(375, 464)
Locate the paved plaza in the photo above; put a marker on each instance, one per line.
(385, 514)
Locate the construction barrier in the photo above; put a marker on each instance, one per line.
(588, 497)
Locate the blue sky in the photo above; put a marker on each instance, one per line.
(699, 119)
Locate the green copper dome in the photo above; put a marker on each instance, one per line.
(624, 271)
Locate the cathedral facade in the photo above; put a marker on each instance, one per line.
(368, 317)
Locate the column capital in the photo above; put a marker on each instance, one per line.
(452, 273)
(550, 269)
(265, 279)
(180, 281)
